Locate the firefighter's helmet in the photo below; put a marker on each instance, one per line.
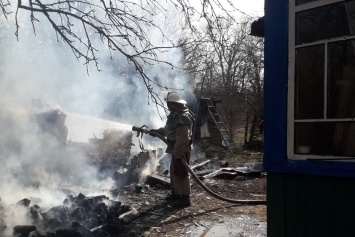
(173, 96)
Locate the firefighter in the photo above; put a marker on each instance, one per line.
(178, 131)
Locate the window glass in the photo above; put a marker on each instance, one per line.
(341, 80)
(324, 80)
(309, 82)
(330, 21)
(300, 2)
(325, 138)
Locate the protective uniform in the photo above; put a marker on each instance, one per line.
(178, 131)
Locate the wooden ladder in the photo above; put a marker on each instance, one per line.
(225, 135)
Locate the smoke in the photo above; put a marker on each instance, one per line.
(37, 67)
(31, 161)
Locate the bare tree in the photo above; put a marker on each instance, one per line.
(227, 63)
(121, 25)
(254, 91)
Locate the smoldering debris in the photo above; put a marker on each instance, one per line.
(24, 230)
(110, 153)
(79, 215)
(52, 123)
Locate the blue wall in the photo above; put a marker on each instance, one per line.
(304, 198)
(275, 84)
(275, 87)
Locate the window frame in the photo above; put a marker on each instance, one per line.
(293, 9)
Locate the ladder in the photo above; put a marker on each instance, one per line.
(225, 135)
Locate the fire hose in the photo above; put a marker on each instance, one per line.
(141, 130)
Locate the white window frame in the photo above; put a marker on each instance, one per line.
(293, 9)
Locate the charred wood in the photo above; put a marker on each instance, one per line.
(24, 230)
(154, 179)
(81, 228)
(114, 206)
(39, 233)
(200, 165)
(68, 233)
(129, 216)
(24, 202)
(36, 214)
(52, 123)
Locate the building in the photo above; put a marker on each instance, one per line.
(310, 117)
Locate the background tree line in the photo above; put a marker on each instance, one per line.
(225, 62)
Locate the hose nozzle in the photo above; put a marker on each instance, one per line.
(140, 129)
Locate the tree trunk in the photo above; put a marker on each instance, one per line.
(252, 129)
(246, 129)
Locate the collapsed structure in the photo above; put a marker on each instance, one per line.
(101, 215)
(79, 214)
(52, 123)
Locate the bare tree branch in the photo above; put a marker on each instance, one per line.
(121, 25)
(4, 4)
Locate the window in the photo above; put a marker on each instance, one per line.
(321, 114)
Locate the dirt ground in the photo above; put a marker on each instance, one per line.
(207, 216)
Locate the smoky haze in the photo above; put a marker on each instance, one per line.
(37, 67)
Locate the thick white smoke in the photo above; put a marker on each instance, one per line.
(38, 67)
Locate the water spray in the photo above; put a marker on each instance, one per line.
(143, 130)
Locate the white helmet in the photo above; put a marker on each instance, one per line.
(173, 96)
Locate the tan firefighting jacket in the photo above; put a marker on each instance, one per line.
(178, 131)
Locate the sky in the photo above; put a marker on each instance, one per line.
(251, 8)
(254, 8)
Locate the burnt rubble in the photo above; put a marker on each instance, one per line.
(52, 123)
(89, 216)
(79, 215)
(130, 199)
(111, 153)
